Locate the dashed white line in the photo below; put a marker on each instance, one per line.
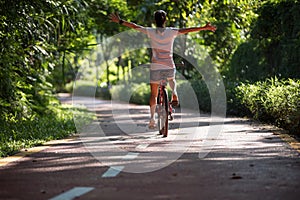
(113, 171)
(142, 146)
(130, 156)
(73, 193)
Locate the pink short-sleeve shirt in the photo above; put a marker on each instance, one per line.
(162, 47)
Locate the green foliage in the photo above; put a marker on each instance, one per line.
(43, 42)
(140, 93)
(81, 88)
(201, 92)
(103, 93)
(88, 88)
(33, 34)
(273, 100)
(234, 105)
(274, 46)
(253, 96)
(133, 93)
(16, 134)
(233, 20)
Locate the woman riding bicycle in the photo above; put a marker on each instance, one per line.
(162, 39)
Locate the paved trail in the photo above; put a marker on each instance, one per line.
(125, 160)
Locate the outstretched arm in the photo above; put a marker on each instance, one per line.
(114, 17)
(207, 27)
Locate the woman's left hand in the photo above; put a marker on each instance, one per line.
(114, 17)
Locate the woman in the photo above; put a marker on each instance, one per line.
(162, 39)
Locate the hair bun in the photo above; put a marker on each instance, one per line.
(160, 17)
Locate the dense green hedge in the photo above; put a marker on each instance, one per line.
(275, 101)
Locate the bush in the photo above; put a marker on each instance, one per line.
(234, 105)
(273, 100)
(88, 88)
(132, 93)
(203, 95)
(103, 93)
(82, 88)
(140, 93)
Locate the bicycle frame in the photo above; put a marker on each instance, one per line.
(164, 109)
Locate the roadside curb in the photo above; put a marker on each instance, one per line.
(292, 142)
(282, 134)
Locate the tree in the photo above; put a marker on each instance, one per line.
(274, 46)
(33, 35)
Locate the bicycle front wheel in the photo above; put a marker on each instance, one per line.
(162, 111)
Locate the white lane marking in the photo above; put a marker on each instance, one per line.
(113, 171)
(142, 146)
(73, 193)
(130, 156)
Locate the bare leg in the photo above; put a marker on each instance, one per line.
(152, 101)
(174, 99)
(172, 83)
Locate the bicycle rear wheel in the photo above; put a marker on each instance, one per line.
(163, 111)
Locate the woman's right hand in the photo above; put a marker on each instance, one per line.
(209, 27)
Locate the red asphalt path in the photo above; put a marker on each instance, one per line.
(248, 161)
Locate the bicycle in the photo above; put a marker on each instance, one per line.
(164, 108)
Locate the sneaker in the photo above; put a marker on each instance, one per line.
(152, 124)
(175, 101)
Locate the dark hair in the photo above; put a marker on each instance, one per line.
(160, 18)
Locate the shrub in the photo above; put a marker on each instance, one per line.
(234, 105)
(103, 92)
(252, 96)
(88, 88)
(82, 88)
(283, 103)
(137, 93)
(203, 95)
(140, 93)
(273, 100)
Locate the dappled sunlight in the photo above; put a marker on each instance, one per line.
(60, 158)
(240, 142)
(120, 137)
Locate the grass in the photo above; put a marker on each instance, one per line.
(16, 134)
